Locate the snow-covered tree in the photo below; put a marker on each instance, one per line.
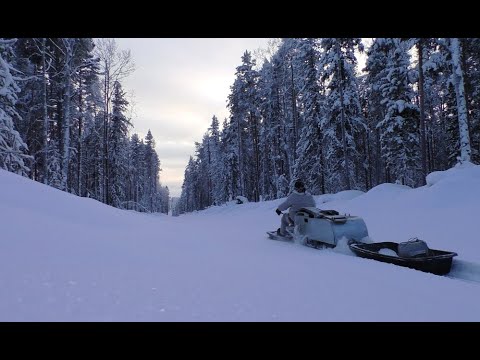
(215, 162)
(471, 65)
(243, 103)
(399, 134)
(115, 65)
(13, 150)
(229, 146)
(152, 172)
(118, 143)
(458, 83)
(309, 165)
(342, 123)
(273, 144)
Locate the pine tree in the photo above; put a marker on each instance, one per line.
(93, 157)
(273, 138)
(136, 174)
(152, 169)
(231, 178)
(243, 103)
(435, 70)
(12, 148)
(343, 122)
(118, 143)
(115, 65)
(309, 165)
(399, 134)
(216, 163)
(29, 105)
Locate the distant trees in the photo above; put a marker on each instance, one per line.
(309, 113)
(63, 122)
(114, 66)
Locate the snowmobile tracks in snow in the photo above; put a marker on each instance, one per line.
(465, 270)
(461, 269)
(310, 243)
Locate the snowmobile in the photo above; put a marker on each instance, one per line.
(322, 228)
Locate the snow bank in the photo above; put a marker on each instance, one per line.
(64, 258)
(456, 171)
(342, 195)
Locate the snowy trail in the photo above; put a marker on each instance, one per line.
(80, 260)
(465, 270)
(461, 269)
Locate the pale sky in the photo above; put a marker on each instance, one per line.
(178, 85)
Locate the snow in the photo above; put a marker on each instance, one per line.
(64, 258)
(437, 176)
(243, 199)
(388, 252)
(342, 195)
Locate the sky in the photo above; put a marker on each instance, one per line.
(178, 85)
(81, 260)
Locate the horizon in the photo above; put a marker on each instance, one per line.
(177, 100)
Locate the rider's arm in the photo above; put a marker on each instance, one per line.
(286, 204)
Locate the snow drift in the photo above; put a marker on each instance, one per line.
(64, 258)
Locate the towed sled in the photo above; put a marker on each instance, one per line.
(438, 262)
(324, 228)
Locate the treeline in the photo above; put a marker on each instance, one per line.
(309, 113)
(64, 122)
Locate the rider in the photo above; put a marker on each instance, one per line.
(298, 199)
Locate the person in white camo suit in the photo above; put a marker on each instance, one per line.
(298, 199)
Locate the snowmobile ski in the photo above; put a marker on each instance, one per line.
(274, 236)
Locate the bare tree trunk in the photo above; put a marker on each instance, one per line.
(79, 144)
(240, 159)
(342, 114)
(294, 116)
(421, 94)
(322, 160)
(45, 112)
(431, 164)
(457, 76)
(116, 65)
(468, 86)
(66, 135)
(69, 44)
(209, 198)
(378, 157)
(105, 135)
(257, 158)
(368, 168)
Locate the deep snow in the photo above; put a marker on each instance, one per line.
(64, 258)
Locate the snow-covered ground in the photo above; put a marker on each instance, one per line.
(64, 258)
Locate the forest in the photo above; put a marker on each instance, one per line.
(309, 112)
(65, 122)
